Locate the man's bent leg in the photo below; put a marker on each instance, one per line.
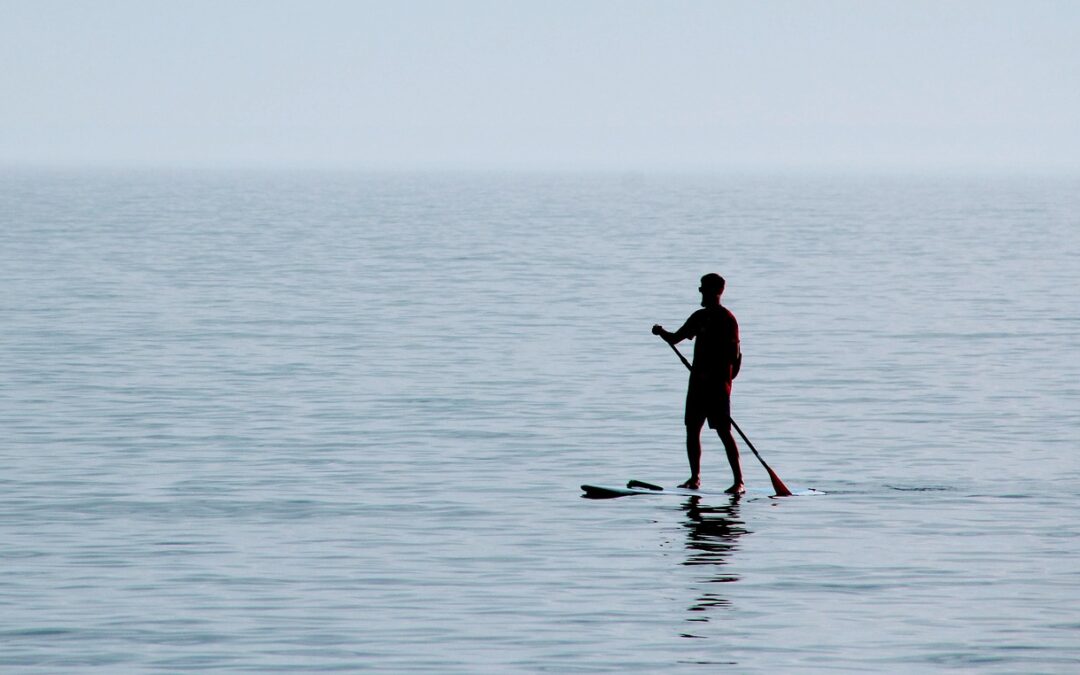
(732, 451)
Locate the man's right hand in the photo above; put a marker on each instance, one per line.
(657, 329)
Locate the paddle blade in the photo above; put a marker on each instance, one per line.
(778, 485)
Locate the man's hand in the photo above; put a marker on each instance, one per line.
(657, 329)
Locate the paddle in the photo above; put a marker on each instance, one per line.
(778, 485)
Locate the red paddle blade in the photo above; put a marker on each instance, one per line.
(778, 485)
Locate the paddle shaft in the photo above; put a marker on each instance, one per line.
(777, 483)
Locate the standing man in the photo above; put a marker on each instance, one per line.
(717, 359)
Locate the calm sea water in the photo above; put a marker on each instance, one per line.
(301, 422)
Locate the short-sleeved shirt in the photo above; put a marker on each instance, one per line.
(716, 349)
(716, 342)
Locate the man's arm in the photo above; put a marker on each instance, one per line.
(686, 332)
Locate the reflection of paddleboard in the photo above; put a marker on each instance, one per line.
(636, 487)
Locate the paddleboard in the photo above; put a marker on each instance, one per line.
(636, 487)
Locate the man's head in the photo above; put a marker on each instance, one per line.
(712, 284)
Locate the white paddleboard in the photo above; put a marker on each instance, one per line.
(635, 488)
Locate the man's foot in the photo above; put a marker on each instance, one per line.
(692, 484)
(736, 489)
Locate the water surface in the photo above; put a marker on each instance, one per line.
(301, 422)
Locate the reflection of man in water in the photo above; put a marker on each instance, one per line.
(712, 537)
(717, 359)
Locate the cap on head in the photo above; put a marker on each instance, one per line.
(712, 283)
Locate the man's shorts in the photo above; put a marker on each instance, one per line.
(708, 399)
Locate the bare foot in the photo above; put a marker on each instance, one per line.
(736, 489)
(692, 484)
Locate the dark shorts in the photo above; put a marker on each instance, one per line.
(708, 400)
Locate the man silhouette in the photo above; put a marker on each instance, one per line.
(717, 359)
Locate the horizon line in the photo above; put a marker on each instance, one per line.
(883, 169)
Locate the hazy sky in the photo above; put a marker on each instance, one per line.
(547, 83)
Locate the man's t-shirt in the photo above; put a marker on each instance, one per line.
(716, 342)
